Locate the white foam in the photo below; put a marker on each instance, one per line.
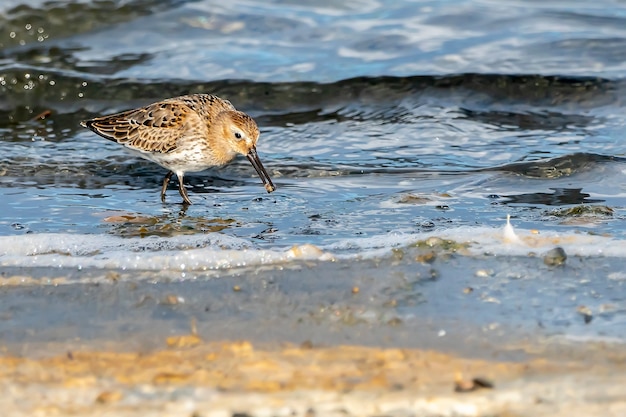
(182, 253)
(505, 240)
(218, 251)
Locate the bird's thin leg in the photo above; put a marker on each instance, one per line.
(183, 192)
(166, 181)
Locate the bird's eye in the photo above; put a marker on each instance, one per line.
(238, 135)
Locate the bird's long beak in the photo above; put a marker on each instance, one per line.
(256, 163)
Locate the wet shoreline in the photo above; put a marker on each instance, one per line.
(436, 297)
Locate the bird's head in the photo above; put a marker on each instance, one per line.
(241, 133)
(239, 130)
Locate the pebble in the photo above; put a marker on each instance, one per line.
(555, 257)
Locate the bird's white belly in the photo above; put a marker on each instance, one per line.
(181, 161)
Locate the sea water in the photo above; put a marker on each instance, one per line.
(383, 125)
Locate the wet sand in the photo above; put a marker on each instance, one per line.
(194, 378)
(292, 340)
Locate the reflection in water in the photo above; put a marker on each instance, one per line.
(559, 197)
(561, 166)
(529, 120)
(137, 225)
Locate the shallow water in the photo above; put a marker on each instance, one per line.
(381, 126)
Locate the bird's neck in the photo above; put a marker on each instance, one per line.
(220, 150)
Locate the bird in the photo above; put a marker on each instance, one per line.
(184, 134)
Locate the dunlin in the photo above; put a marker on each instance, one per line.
(185, 134)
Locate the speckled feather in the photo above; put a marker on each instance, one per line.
(159, 127)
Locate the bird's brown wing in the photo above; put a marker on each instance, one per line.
(154, 128)
(207, 106)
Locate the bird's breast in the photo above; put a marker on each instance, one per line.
(190, 158)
